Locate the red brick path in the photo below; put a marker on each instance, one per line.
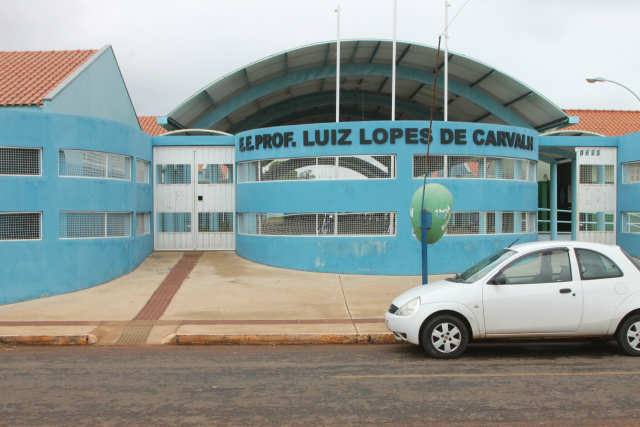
(161, 298)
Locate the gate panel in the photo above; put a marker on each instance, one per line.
(173, 177)
(215, 198)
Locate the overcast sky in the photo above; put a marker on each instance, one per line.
(169, 49)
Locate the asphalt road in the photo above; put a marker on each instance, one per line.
(541, 384)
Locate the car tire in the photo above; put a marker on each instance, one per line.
(628, 335)
(445, 337)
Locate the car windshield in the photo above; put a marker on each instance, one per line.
(479, 270)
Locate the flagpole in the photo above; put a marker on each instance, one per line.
(338, 69)
(393, 72)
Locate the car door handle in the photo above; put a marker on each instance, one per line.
(565, 290)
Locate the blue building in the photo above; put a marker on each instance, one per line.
(256, 162)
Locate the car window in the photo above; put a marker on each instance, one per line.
(481, 269)
(546, 266)
(632, 259)
(594, 265)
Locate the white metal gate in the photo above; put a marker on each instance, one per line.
(194, 198)
(596, 194)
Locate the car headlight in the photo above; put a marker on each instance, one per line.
(409, 308)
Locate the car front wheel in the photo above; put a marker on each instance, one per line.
(445, 337)
(629, 335)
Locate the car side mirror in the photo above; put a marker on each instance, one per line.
(500, 279)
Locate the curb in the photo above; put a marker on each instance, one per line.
(49, 339)
(270, 339)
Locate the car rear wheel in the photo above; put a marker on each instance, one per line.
(629, 335)
(445, 337)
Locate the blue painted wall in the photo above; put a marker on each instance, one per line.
(628, 194)
(50, 266)
(395, 255)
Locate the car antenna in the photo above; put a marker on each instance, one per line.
(516, 241)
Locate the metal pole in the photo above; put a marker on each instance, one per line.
(338, 69)
(393, 69)
(425, 224)
(446, 60)
(553, 202)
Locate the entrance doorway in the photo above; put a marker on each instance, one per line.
(194, 198)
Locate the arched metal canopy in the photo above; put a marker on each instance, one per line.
(298, 87)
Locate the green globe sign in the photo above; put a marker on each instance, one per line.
(439, 202)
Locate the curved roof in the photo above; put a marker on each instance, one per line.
(298, 86)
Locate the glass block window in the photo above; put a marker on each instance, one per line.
(173, 222)
(173, 174)
(143, 223)
(215, 222)
(94, 164)
(20, 225)
(631, 222)
(448, 166)
(83, 225)
(596, 221)
(142, 171)
(318, 168)
(20, 161)
(318, 224)
(597, 174)
(631, 173)
(215, 174)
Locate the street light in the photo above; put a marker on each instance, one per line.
(592, 79)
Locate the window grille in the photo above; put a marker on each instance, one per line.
(465, 167)
(631, 173)
(596, 221)
(464, 223)
(631, 222)
(469, 223)
(173, 222)
(596, 174)
(505, 168)
(318, 224)
(82, 225)
(20, 161)
(435, 169)
(20, 225)
(173, 174)
(215, 222)
(142, 171)
(215, 174)
(94, 164)
(474, 167)
(143, 225)
(319, 168)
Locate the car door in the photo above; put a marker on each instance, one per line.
(537, 293)
(604, 287)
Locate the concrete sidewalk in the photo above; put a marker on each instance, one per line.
(210, 297)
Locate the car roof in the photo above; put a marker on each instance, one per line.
(526, 247)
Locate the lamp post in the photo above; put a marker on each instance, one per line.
(592, 79)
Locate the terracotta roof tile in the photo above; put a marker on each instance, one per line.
(27, 77)
(606, 122)
(149, 125)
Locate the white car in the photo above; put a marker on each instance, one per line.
(539, 289)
